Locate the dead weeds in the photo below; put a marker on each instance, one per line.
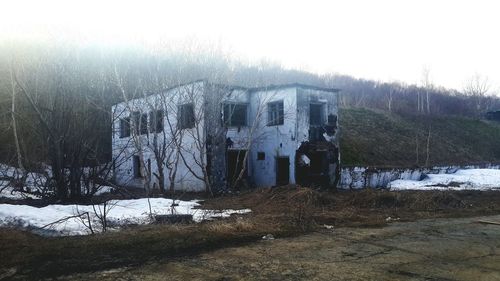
(303, 208)
(283, 211)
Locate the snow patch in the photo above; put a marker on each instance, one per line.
(61, 220)
(10, 193)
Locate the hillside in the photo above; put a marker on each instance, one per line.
(378, 138)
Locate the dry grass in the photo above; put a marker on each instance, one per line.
(232, 226)
(304, 208)
(284, 211)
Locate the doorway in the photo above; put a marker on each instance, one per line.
(282, 170)
(235, 159)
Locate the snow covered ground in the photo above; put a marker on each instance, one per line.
(73, 219)
(467, 179)
(11, 193)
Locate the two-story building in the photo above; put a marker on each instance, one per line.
(267, 136)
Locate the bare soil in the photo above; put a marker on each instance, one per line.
(437, 249)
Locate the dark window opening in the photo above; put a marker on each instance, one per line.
(332, 119)
(144, 123)
(156, 121)
(316, 114)
(235, 115)
(186, 116)
(275, 113)
(261, 156)
(125, 127)
(136, 118)
(137, 167)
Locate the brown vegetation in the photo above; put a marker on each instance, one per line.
(284, 211)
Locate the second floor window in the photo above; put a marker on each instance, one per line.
(156, 121)
(235, 115)
(125, 127)
(135, 118)
(144, 124)
(140, 122)
(185, 116)
(275, 113)
(316, 112)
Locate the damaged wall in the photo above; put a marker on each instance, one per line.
(371, 177)
(318, 140)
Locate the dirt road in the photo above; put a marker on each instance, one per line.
(438, 249)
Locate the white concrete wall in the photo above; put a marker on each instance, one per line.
(280, 140)
(362, 177)
(274, 141)
(125, 148)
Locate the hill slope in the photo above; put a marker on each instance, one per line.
(380, 139)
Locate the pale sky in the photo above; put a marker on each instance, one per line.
(383, 40)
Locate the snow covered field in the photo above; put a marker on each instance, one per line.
(73, 219)
(467, 179)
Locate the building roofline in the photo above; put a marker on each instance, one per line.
(293, 85)
(229, 87)
(251, 90)
(182, 85)
(163, 90)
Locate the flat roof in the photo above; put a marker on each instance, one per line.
(293, 85)
(254, 89)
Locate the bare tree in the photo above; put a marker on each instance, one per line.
(477, 88)
(427, 155)
(390, 98)
(427, 85)
(13, 113)
(60, 92)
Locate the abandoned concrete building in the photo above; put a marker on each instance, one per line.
(198, 132)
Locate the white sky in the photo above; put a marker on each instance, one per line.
(383, 40)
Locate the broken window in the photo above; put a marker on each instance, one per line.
(275, 113)
(185, 116)
(156, 121)
(332, 119)
(125, 127)
(316, 114)
(261, 156)
(137, 167)
(235, 115)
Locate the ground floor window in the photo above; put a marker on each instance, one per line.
(137, 167)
